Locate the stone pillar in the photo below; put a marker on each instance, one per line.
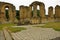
(14, 19)
(57, 13)
(3, 17)
(50, 14)
(30, 12)
(42, 13)
(34, 10)
(21, 12)
(10, 15)
(25, 12)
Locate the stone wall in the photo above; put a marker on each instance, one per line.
(25, 13)
(50, 14)
(57, 13)
(11, 11)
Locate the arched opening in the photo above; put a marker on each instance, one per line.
(38, 10)
(17, 14)
(32, 11)
(7, 13)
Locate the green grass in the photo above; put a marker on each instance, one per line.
(54, 25)
(16, 29)
(9, 26)
(6, 25)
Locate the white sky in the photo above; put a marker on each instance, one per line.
(47, 3)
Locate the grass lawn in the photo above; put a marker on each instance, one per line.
(6, 25)
(54, 25)
(16, 29)
(12, 29)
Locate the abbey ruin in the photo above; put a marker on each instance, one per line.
(26, 15)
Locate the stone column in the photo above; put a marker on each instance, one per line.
(34, 10)
(21, 12)
(25, 12)
(42, 13)
(3, 17)
(14, 15)
(10, 15)
(57, 13)
(30, 12)
(50, 14)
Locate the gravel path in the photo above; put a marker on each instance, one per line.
(2, 35)
(36, 33)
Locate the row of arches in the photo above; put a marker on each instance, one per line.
(27, 13)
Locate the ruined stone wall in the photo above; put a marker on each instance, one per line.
(42, 13)
(50, 14)
(11, 12)
(57, 13)
(25, 13)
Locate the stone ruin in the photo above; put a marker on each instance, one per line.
(25, 13)
(11, 12)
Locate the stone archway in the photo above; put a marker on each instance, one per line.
(11, 12)
(41, 17)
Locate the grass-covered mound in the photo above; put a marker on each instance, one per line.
(12, 29)
(54, 25)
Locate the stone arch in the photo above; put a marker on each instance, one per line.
(41, 6)
(11, 12)
(42, 11)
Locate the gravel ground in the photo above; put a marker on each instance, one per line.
(36, 33)
(2, 35)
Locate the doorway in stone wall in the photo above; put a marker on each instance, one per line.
(7, 13)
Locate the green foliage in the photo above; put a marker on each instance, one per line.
(7, 14)
(17, 14)
(38, 12)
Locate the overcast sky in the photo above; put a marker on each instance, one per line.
(47, 3)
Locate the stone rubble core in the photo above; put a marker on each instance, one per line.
(27, 15)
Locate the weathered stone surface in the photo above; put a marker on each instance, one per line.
(35, 21)
(10, 11)
(42, 17)
(50, 14)
(26, 15)
(57, 13)
(42, 13)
